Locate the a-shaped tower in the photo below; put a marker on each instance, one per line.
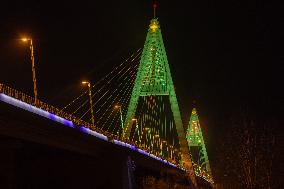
(154, 88)
(196, 142)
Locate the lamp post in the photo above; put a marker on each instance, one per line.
(137, 129)
(33, 66)
(90, 99)
(121, 118)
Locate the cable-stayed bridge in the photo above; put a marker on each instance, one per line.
(134, 108)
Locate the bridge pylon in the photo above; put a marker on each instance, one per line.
(154, 88)
(196, 142)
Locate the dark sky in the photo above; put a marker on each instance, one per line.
(223, 54)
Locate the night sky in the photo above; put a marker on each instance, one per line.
(224, 55)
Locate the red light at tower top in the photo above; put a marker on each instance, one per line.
(154, 8)
(155, 5)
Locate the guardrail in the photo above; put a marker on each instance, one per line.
(202, 172)
(79, 122)
(49, 108)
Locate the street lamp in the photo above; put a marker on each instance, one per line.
(136, 129)
(33, 66)
(136, 121)
(121, 118)
(90, 99)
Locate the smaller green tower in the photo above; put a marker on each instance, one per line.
(196, 143)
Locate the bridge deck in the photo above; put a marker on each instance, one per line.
(26, 122)
(51, 122)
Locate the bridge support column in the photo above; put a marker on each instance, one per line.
(128, 174)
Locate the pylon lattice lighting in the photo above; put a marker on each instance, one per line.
(154, 84)
(196, 142)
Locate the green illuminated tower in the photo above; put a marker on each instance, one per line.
(154, 79)
(196, 143)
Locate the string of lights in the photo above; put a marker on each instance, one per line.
(98, 91)
(120, 93)
(124, 63)
(112, 90)
(102, 83)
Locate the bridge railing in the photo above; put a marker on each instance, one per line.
(49, 108)
(202, 172)
(56, 111)
(78, 122)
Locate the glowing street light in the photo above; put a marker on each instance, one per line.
(136, 121)
(121, 118)
(90, 99)
(147, 129)
(137, 129)
(33, 66)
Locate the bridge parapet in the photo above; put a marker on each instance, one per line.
(44, 106)
(83, 125)
(201, 172)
